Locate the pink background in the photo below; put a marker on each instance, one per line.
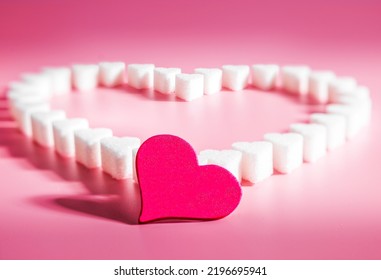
(55, 209)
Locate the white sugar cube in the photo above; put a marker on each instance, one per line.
(295, 79)
(25, 87)
(189, 86)
(24, 98)
(40, 81)
(117, 156)
(60, 79)
(352, 116)
(85, 76)
(212, 79)
(287, 150)
(63, 133)
(335, 125)
(360, 98)
(140, 76)
(318, 85)
(341, 85)
(42, 126)
(362, 92)
(14, 96)
(235, 77)
(354, 92)
(165, 79)
(112, 74)
(314, 140)
(364, 107)
(23, 112)
(88, 145)
(264, 76)
(228, 159)
(257, 160)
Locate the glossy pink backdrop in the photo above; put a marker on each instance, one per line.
(54, 209)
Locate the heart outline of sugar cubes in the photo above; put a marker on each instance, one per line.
(348, 109)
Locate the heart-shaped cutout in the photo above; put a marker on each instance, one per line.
(173, 185)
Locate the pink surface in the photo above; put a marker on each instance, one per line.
(172, 184)
(55, 209)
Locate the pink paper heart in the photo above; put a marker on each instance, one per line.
(173, 185)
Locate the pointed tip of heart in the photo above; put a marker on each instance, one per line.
(174, 186)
